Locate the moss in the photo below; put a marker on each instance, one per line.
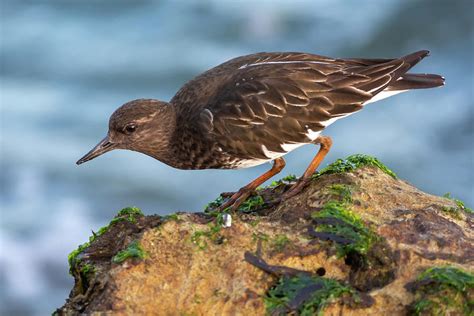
(285, 180)
(461, 206)
(449, 276)
(306, 295)
(443, 291)
(335, 219)
(134, 250)
(421, 306)
(251, 204)
(73, 257)
(86, 273)
(289, 178)
(280, 242)
(260, 236)
(342, 191)
(370, 257)
(87, 269)
(130, 211)
(127, 214)
(353, 162)
(452, 212)
(255, 221)
(200, 237)
(214, 204)
(171, 217)
(196, 238)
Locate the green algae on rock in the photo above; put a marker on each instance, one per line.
(252, 203)
(306, 295)
(285, 180)
(211, 206)
(280, 242)
(453, 212)
(86, 273)
(72, 258)
(199, 237)
(353, 162)
(342, 191)
(336, 221)
(171, 217)
(127, 214)
(370, 257)
(461, 206)
(443, 291)
(133, 250)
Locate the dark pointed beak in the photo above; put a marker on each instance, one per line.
(101, 148)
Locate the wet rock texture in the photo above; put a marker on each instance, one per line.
(193, 266)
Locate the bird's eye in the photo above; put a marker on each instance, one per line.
(130, 128)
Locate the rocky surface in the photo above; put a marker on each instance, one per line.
(356, 241)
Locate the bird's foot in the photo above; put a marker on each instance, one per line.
(296, 188)
(236, 199)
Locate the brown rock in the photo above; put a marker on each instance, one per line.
(192, 267)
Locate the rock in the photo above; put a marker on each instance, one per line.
(356, 241)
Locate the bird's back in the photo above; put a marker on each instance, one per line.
(255, 108)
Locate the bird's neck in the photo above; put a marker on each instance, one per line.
(158, 144)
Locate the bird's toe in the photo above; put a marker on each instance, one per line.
(295, 189)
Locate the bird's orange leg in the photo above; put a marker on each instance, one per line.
(240, 196)
(325, 143)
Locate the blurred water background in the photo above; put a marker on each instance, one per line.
(67, 65)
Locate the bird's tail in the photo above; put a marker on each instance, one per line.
(408, 81)
(416, 81)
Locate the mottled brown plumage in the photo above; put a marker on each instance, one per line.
(256, 108)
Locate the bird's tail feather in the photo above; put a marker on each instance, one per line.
(408, 81)
(414, 58)
(416, 81)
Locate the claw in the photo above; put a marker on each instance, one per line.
(227, 194)
(236, 199)
(239, 197)
(296, 188)
(239, 201)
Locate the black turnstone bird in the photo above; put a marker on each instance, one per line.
(257, 108)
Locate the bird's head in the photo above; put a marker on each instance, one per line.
(142, 125)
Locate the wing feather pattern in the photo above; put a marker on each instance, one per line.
(272, 99)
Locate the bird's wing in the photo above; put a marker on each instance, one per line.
(276, 99)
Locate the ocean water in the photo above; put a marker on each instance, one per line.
(67, 65)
